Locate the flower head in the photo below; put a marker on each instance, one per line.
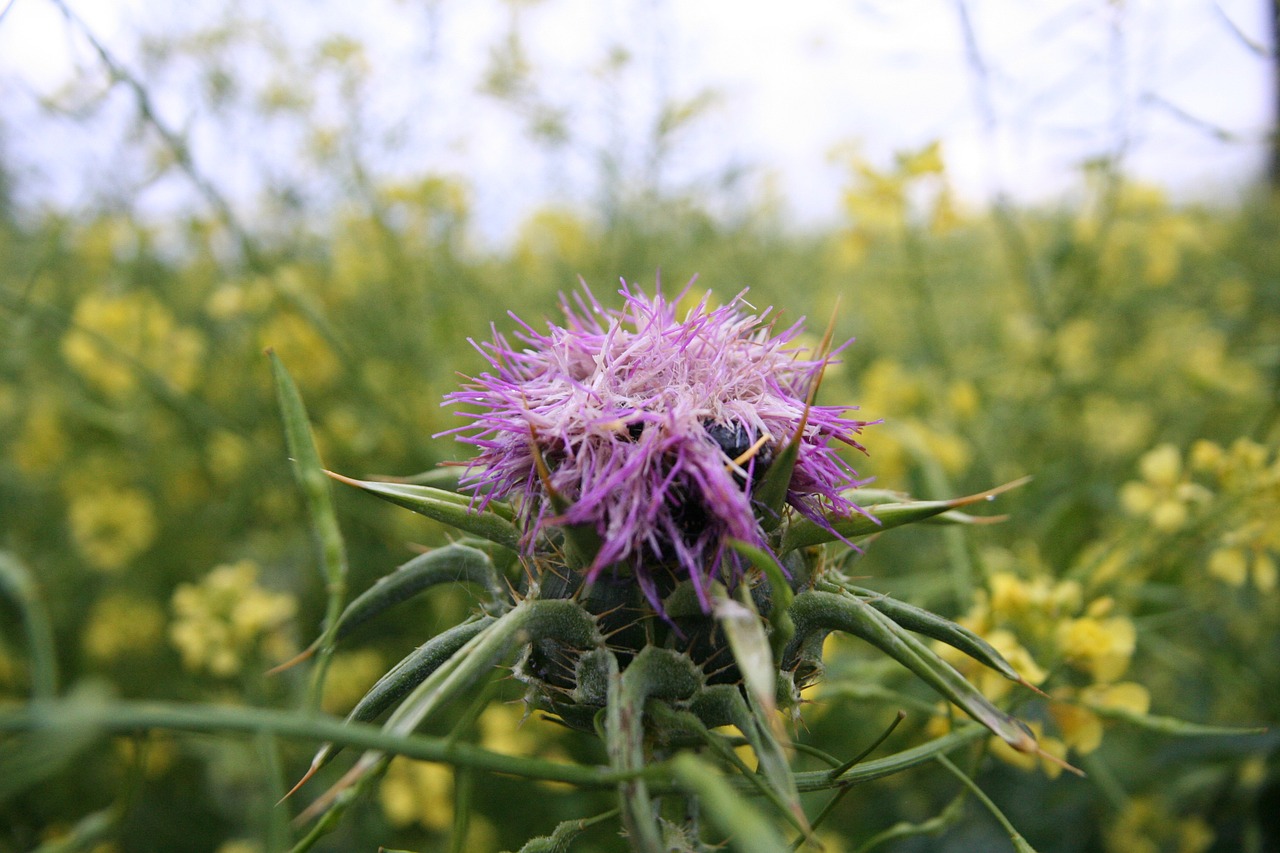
(655, 432)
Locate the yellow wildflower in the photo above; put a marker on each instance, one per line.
(1101, 647)
(121, 624)
(111, 527)
(1229, 565)
(502, 730)
(42, 444)
(1081, 728)
(417, 792)
(114, 338)
(349, 678)
(226, 618)
(1122, 696)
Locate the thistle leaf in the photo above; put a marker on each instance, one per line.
(443, 506)
(938, 628)
(802, 533)
(449, 564)
(469, 666)
(819, 611)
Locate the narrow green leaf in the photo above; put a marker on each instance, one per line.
(17, 582)
(664, 714)
(744, 630)
(315, 490)
(310, 473)
(817, 611)
(820, 780)
(565, 832)
(1174, 726)
(527, 622)
(733, 816)
(771, 494)
(802, 532)
(936, 627)
(443, 506)
(400, 681)
(446, 565)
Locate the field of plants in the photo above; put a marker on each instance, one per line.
(1124, 353)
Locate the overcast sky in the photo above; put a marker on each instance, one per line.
(1173, 84)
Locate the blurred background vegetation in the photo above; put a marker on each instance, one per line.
(1122, 348)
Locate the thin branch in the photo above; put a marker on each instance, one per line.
(1252, 45)
(174, 141)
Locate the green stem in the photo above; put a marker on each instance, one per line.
(1019, 842)
(129, 717)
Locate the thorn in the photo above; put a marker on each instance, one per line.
(342, 478)
(305, 654)
(311, 771)
(989, 494)
(1053, 759)
(328, 797)
(1032, 687)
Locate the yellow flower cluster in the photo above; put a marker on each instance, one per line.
(1249, 478)
(1230, 494)
(114, 339)
(111, 526)
(1063, 630)
(223, 622)
(415, 792)
(1147, 826)
(1164, 496)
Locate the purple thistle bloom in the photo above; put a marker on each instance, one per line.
(655, 431)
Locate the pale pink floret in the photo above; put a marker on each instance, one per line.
(623, 405)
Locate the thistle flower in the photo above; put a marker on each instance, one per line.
(655, 433)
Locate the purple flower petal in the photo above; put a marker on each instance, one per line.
(640, 417)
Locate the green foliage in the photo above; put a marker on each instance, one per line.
(1122, 353)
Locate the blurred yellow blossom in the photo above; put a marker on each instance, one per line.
(1230, 565)
(1101, 647)
(42, 443)
(1115, 427)
(156, 752)
(111, 526)
(417, 792)
(220, 623)
(122, 624)
(308, 355)
(1163, 495)
(1081, 729)
(227, 453)
(113, 338)
(1127, 696)
(1147, 826)
(349, 678)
